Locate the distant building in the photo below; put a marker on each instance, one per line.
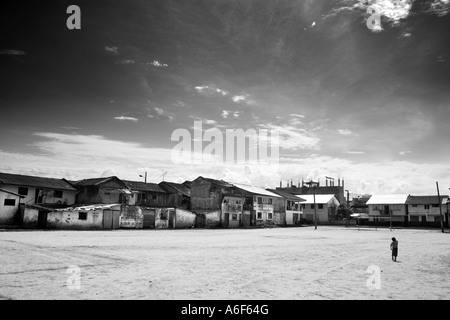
(288, 208)
(385, 208)
(323, 205)
(424, 210)
(329, 188)
(110, 190)
(146, 194)
(178, 194)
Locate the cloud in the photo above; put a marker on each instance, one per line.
(354, 152)
(112, 50)
(210, 90)
(123, 118)
(228, 113)
(161, 113)
(404, 153)
(125, 61)
(244, 98)
(157, 64)
(225, 114)
(13, 52)
(344, 132)
(292, 138)
(439, 7)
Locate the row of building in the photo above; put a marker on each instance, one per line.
(112, 203)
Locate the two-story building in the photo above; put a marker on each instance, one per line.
(425, 211)
(288, 209)
(109, 190)
(19, 193)
(321, 206)
(146, 194)
(387, 208)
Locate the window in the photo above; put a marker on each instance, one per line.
(260, 200)
(270, 200)
(414, 218)
(10, 202)
(238, 201)
(57, 194)
(154, 197)
(164, 215)
(414, 205)
(23, 191)
(427, 206)
(82, 215)
(437, 218)
(259, 215)
(234, 216)
(435, 205)
(143, 196)
(312, 205)
(269, 216)
(320, 205)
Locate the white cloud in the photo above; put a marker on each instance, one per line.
(123, 118)
(404, 153)
(125, 61)
(244, 98)
(237, 99)
(210, 90)
(225, 114)
(162, 113)
(157, 64)
(13, 52)
(112, 50)
(354, 152)
(344, 132)
(293, 138)
(296, 115)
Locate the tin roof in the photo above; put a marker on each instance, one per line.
(13, 193)
(178, 187)
(97, 181)
(426, 199)
(286, 195)
(256, 190)
(320, 198)
(33, 181)
(221, 183)
(142, 186)
(388, 199)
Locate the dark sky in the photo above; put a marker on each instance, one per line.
(368, 105)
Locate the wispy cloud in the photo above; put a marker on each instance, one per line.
(161, 113)
(243, 98)
(404, 153)
(293, 138)
(157, 64)
(344, 132)
(123, 118)
(354, 152)
(112, 50)
(125, 61)
(210, 90)
(13, 52)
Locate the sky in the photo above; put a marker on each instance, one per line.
(368, 105)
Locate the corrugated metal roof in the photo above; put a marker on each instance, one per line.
(142, 186)
(426, 199)
(13, 193)
(33, 181)
(388, 199)
(286, 195)
(91, 207)
(256, 190)
(320, 198)
(97, 181)
(179, 187)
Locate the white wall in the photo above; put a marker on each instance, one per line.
(7, 212)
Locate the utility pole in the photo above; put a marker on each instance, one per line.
(348, 209)
(164, 175)
(145, 176)
(440, 207)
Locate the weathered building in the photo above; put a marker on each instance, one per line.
(216, 203)
(20, 190)
(288, 209)
(109, 190)
(146, 194)
(178, 194)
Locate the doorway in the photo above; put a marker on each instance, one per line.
(42, 220)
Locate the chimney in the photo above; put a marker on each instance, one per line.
(343, 184)
(281, 184)
(339, 182)
(326, 182)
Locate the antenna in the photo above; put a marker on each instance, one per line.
(163, 175)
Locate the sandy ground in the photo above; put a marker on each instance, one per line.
(279, 263)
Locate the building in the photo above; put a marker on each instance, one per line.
(18, 192)
(110, 190)
(259, 205)
(216, 203)
(425, 211)
(178, 194)
(325, 208)
(288, 209)
(146, 194)
(387, 208)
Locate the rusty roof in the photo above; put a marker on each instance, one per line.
(426, 199)
(142, 186)
(178, 187)
(33, 181)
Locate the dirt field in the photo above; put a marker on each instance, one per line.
(278, 263)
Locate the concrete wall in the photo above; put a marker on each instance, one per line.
(70, 220)
(290, 216)
(7, 213)
(397, 209)
(132, 217)
(68, 197)
(265, 208)
(30, 217)
(184, 218)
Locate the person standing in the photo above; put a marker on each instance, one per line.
(394, 248)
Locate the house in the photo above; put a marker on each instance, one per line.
(424, 210)
(146, 194)
(91, 217)
(323, 205)
(216, 203)
(178, 194)
(287, 210)
(259, 205)
(20, 190)
(387, 208)
(110, 190)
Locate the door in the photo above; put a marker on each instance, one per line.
(386, 210)
(424, 219)
(200, 221)
(107, 219)
(226, 221)
(295, 218)
(171, 218)
(116, 219)
(42, 219)
(149, 218)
